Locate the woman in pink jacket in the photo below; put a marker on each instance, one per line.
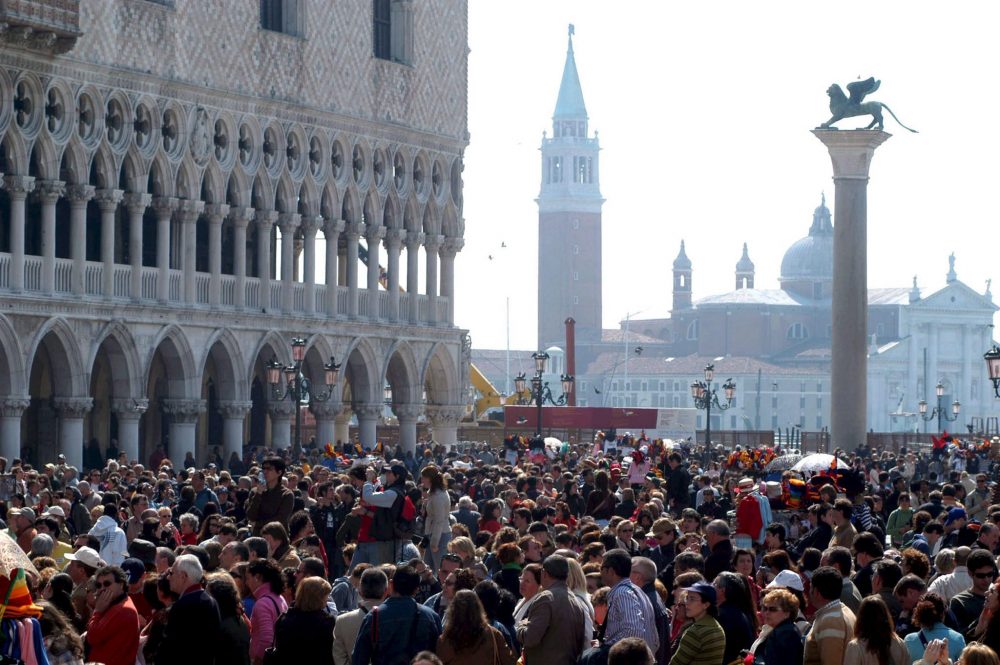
(263, 579)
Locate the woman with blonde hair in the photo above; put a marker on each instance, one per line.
(576, 582)
(468, 638)
(304, 634)
(875, 640)
(463, 547)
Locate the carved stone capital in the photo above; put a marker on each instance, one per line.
(14, 407)
(240, 217)
(414, 241)
(78, 195)
(129, 408)
(333, 228)
(234, 410)
(264, 219)
(73, 407)
(281, 410)
(216, 212)
(394, 239)
(49, 191)
(327, 410)
(368, 410)
(164, 206)
(184, 410)
(310, 224)
(19, 186)
(407, 412)
(354, 230)
(190, 210)
(288, 222)
(137, 202)
(451, 246)
(374, 233)
(108, 199)
(445, 415)
(433, 242)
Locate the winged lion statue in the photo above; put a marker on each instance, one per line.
(844, 106)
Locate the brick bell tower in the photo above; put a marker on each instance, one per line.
(569, 219)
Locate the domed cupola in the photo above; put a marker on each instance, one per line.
(807, 267)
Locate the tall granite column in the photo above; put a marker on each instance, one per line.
(136, 203)
(107, 201)
(310, 225)
(216, 212)
(353, 234)
(331, 231)
(78, 196)
(265, 221)
(288, 223)
(851, 152)
(240, 218)
(48, 192)
(190, 211)
(18, 187)
(163, 208)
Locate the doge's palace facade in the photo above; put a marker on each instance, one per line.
(188, 185)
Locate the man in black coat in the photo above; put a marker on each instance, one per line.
(720, 548)
(193, 623)
(678, 484)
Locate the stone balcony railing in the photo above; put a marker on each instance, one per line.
(52, 26)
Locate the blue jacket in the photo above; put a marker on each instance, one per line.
(398, 638)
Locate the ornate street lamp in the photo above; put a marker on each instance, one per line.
(992, 358)
(298, 387)
(939, 411)
(540, 392)
(705, 397)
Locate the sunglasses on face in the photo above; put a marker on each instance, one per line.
(103, 585)
(985, 576)
(771, 608)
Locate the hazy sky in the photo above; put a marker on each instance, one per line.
(704, 112)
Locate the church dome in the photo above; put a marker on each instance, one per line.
(811, 258)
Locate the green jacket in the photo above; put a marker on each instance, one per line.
(702, 643)
(899, 522)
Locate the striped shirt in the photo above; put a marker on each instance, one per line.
(702, 643)
(630, 614)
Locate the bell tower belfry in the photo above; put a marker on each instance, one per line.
(569, 218)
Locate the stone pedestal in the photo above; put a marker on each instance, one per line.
(851, 152)
(11, 410)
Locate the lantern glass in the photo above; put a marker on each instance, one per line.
(519, 383)
(709, 373)
(939, 390)
(992, 358)
(730, 391)
(329, 375)
(567, 385)
(274, 372)
(695, 390)
(298, 349)
(290, 373)
(922, 407)
(388, 394)
(956, 407)
(541, 358)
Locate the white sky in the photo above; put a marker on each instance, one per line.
(704, 111)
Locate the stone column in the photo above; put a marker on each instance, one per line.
(184, 420)
(136, 203)
(216, 213)
(432, 245)
(331, 231)
(18, 187)
(240, 217)
(368, 415)
(326, 414)
(913, 368)
(373, 235)
(393, 243)
(310, 224)
(264, 220)
(851, 152)
(107, 201)
(234, 414)
(342, 428)
(449, 249)
(933, 376)
(11, 410)
(288, 222)
(71, 412)
(78, 196)
(189, 212)
(353, 234)
(444, 423)
(48, 192)
(407, 415)
(129, 411)
(163, 207)
(281, 423)
(413, 243)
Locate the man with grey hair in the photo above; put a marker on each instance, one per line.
(467, 515)
(720, 548)
(553, 630)
(41, 545)
(373, 585)
(194, 618)
(958, 580)
(644, 576)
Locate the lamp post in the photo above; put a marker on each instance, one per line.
(939, 411)
(705, 397)
(540, 391)
(992, 358)
(298, 387)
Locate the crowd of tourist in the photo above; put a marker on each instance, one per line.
(592, 554)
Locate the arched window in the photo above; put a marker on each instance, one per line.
(797, 331)
(692, 331)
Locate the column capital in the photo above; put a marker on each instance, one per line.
(445, 414)
(216, 212)
(851, 151)
(73, 407)
(368, 410)
(374, 233)
(265, 219)
(394, 238)
(78, 195)
(137, 202)
(407, 412)
(164, 206)
(451, 246)
(283, 409)
(14, 407)
(288, 222)
(108, 199)
(190, 210)
(354, 230)
(49, 191)
(129, 408)
(328, 409)
(19, 186)
(310, 224)
(240, 216)
(333, 227)
(414, 239)
(433, 242)
(184, 410)
(234, 409)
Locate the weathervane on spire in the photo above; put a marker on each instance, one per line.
(572, 31)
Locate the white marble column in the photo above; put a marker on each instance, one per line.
(234, 415)
(326, 414)
(331, 231)
(108, 200)
(353, 234)
(78, 196)
(913, 367)
(72, 411)
(851, 152)
(449, 248)
(373, 236)
(393, 244)
(129, 411)
(264, 220)
(964, 392)
(310, 225)
(933, 374)
(432, 245)
(216, 212)
(240, 217)
(444, 421)
(18, 187)
(190, 211)
(288, 222)
(48, 192)
(368, 416)
(281, 423)
(413, 243)
(183, 434)
(136, 203)
(163, 207)
(407, 415)
(11, 410)
(342, 428)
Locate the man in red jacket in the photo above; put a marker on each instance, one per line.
(748, 519)
(113, 630)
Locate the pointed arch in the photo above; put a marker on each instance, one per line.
(391, 217)
(350, 210)
(181, 373)
(330, 203)
(231, 367)
(237, 189)
(450, 225)
(262, 196)
(318, 352)
(411, 216)
(12, 378)
(308, 198)
(431, 222)
(103, 172)
(45, 158)
(440, 377)
(362, 370)
(73, 167)
(278, 347)
(372, 209)
(60, 340)
(400, 370)
(188, 181)
(161, 177)
(123, 357)
(287, 199)
(212, 185)
(13, 154)
(134, 172)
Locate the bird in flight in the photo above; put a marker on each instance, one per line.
(522, 420)
(596, 390)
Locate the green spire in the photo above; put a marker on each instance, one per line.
(570, 103)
